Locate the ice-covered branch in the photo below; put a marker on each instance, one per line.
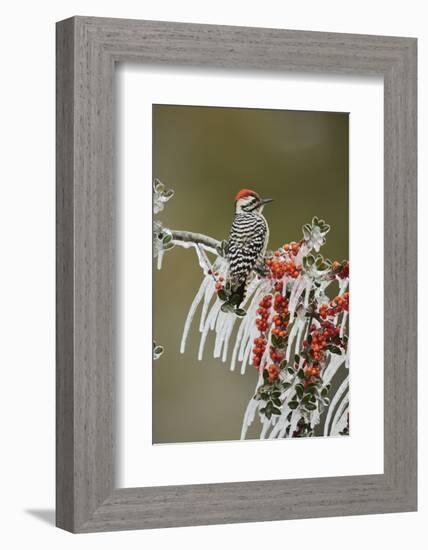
(187, 238)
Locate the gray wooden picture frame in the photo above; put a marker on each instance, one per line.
(87, 51)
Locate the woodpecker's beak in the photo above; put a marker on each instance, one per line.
(265, 201)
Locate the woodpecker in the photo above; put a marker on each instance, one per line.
(248, 240)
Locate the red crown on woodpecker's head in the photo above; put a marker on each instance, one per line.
(246, 193)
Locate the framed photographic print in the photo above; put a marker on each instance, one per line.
(236, 274)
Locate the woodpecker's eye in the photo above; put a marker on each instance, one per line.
(251, 204)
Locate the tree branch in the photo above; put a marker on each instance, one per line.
(187, 238)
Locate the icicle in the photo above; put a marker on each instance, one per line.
(161, 254)
(265, 427)
(221, 321)
(250, 411)
(209, 323)
(343, 323)
(228, 334)
(297, 327)
(245, 326)
(202, 259)
(295, 417)
(300, 335)
(209, 293)
(246, 355)
(340, 419)
(296, 292)
(315, 419)
(333, 366)
(342, 389)
(237, 346)
(307, 292)
(197, 299)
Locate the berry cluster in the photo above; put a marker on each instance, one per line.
(280, 266)
(273, 372)
(336, 306)
(292, 248)
(310, 372)
(263, 313)
(321, 339)
(258, 350)
(280, 319)
(280, 323)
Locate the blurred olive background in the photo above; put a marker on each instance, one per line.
(207, 154)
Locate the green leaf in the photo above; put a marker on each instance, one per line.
(222, 294)
(276, 401)
(276, 411)
(300, 374)
(334, 349)
(167, 239)
(306, 398)
(168, 193)
(310, 406)
(290, 370)
(299, 390)
(240, 312)
(235, 299)
(275, 340)
(324, 392)
(265, 375)
(310, 260)
(311, 388)
(159, 186)
(168, 246)
(286, 385)
(159, 350)
(326, 401)
(226, 308)
(296, 358)
(293, 404)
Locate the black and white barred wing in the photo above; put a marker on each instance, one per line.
(246, 244)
